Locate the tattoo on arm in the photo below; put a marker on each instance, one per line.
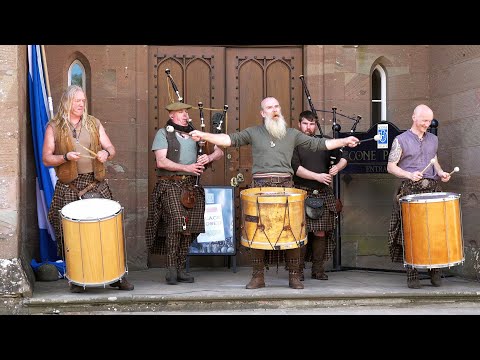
(395, 152)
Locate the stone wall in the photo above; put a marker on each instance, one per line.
(17, 181)
(455, 92)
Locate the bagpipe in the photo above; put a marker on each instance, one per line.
(217, 124)
(335, 154)
(336, 127)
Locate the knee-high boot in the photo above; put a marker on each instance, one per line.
(258, 278)
(293, 264)
(171, 275)
(182, 274)
(319, 246)
(303, 251)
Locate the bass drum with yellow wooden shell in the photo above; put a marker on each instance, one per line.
(273, 218)
(93, 242)
(432, 230)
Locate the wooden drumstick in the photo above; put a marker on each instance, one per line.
(455, 169)
(90, 151)
(426, 167)
(88, 156)
(376, 138)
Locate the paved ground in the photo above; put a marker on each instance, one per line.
(221, 291)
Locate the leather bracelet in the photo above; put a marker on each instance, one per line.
(65, 157)
(108, 152)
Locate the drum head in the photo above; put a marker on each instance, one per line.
(90, 209)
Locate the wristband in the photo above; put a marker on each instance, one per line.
(108, 152)
(65, 157)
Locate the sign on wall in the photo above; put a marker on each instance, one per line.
(370, 156)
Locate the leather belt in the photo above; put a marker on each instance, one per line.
(273, 179)
(173, 177)
(85, 189)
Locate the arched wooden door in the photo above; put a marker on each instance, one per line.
(199, 74)
(239, 77)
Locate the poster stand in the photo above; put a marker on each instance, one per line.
(219, 235)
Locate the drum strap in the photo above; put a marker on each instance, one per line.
(85, 189)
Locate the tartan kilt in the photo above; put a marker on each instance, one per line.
(395, 236)
(327, 220)
(165, 213)
(325, 223)
(64, 195)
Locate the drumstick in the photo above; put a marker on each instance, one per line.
(376, 138)
(426, 167)
(90, 151)
(88, 156)
(455, 169)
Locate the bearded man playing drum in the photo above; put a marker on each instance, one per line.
(77, 145)
(409, 159)
(272, 149)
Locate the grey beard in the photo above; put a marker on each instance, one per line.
(276, 128)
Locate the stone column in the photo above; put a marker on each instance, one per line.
(17, 219)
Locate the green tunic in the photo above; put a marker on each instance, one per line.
(278, 158)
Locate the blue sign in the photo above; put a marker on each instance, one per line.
(370, 156)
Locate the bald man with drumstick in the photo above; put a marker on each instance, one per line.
(413, 158)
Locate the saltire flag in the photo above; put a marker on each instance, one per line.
(46, 177)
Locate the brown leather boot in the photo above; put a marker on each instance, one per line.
(123, 284)
(303, 251)
(293, 264)
(74, 288)
(258, 278)
(257, 281)
(294, 280)
(171, 276)
(319, 246)
(183, 276)
(435, 277)
(412, 279)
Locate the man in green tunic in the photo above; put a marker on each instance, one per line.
(272, 149)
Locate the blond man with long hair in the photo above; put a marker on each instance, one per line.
(77, 146)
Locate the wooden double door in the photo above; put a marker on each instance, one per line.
(239, 77)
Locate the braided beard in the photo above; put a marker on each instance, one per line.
(185, 129)
(277, 128)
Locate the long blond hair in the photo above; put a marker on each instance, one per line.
(61, 120)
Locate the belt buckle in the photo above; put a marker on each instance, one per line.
(272, 179)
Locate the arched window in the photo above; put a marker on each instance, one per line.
(76, 75)
(379, 95)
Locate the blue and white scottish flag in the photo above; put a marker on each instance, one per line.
(46, 177)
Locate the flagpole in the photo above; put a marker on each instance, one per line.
(47, 81)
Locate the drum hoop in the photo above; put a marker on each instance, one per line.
(435, 266)
(274, 194)
(439, 197)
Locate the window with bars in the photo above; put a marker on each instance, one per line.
(379, 95)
